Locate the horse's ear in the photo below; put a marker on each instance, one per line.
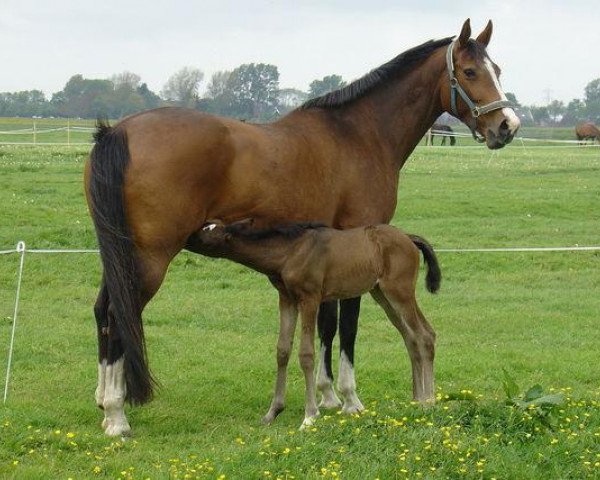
(243, 224)
(484, 37)
(465, 33)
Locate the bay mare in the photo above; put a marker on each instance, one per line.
(310, 263)
(155, 178)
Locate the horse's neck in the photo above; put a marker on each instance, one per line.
(265, 256)
(400, 112)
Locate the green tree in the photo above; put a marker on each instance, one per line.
(27, 103)
(290, 98)
(182, 87)
(592, 100)
(218, 98)
(574, 112)
(556, 109)
(253, 89)
(541, 116)
(513, 98)
(83, 98)
(327, 84)
(151, 99)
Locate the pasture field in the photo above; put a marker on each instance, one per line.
(212, 328)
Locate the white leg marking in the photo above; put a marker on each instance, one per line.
(115, 422)
(325, 385)
(347, 386)
(101, 383)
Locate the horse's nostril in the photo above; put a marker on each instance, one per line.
(504, 128)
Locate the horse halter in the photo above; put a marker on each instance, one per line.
(476, 110)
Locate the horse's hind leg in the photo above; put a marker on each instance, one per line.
(112, 389)
(349, 311)
(419, 338)
(327, 326)
(101, 314)
(288, 314)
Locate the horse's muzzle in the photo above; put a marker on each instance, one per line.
(503, 137)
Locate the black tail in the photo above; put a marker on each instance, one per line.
(434, 274)
(109, 159)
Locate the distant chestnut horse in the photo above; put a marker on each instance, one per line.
(156, 177)
(587, 131)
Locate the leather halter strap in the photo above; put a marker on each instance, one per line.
(476, 110)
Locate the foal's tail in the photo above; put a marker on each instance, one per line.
(109, 159)
(434, 274)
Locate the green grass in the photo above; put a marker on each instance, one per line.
(212, 331)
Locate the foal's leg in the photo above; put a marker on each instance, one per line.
(288, 314)
(327, 326)
(308, 313)
(403, 311)
(349, 311)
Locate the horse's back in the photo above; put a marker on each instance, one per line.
(587, 130)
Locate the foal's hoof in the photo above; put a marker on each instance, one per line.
(307, 422)
(271, 415)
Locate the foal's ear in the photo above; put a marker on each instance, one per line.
(465, 33)
(484, 37)
(243, 224)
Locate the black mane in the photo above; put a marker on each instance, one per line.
(393, 69)
(288, 231)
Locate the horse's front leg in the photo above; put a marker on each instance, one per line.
(349, 311)
(308, 313)
(288, 314)
(327, 326)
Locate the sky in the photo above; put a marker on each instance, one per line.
(547, 49)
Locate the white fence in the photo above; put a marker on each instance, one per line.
(21, 249)
(37, 135)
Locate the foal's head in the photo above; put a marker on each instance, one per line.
(482, 104)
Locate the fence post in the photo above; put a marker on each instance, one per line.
(428, 142)
(34, 133)
(69, 131)
(20, 249)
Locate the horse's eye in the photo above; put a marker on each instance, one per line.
(469, 73)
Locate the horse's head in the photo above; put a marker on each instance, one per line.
(471, 90)
(215, 234)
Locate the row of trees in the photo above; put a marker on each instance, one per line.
(250, 91)
(557, 113)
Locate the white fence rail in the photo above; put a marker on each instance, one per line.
(21, 249)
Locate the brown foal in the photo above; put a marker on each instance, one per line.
(309, 263)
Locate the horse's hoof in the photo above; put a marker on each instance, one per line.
(330, 403)
(352, 408)
(116, 430)
(267, 419)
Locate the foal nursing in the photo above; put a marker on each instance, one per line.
(309, 264)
